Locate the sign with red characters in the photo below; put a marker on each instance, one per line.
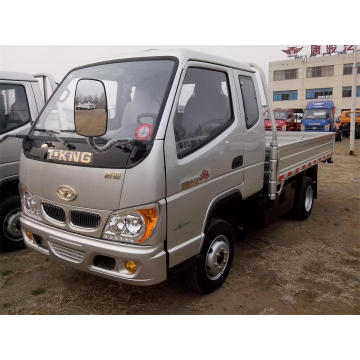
(293, 51)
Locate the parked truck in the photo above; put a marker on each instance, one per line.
(319, 116)
(165, 181)
(21, 98)
(344, 125)
(285, 120)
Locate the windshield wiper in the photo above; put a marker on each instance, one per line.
(54, 134)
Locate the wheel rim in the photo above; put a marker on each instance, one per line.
(308, 198)
(11, 225)
(217, 257)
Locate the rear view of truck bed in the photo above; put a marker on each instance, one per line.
(299, 151)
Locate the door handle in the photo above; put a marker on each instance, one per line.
(237, 162)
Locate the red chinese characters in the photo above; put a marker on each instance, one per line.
(315, 50)
(330, 49)
(348, 48)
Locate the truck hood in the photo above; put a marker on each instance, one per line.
(95, 188)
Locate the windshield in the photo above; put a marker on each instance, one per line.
(357, 114)
(135, 93)
(316, 114)
(278, 115)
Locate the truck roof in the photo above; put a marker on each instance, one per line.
(183, 55)
(320, 104)
(16, 76)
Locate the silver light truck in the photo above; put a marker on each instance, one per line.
(21, 100)
(163, 170)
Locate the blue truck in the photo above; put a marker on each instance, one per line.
(319, 116)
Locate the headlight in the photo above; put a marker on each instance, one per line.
(302, 127)
(131, 225)
(29, 204)
(326, 127)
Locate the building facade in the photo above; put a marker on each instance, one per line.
(293, 83)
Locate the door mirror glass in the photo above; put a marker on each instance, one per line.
(90, 108)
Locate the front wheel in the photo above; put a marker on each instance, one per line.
(215, 259)
(10, 232)
(304, 199)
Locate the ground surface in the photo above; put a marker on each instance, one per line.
(291, 267)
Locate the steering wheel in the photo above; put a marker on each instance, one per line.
(146, 115)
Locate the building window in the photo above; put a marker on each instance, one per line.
(348, 69)
(285, 74)
(285, 95)
(320, 71)
(346, 92)
(325, 93)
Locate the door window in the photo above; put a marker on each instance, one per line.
(14, 108)
(250, 102)
(204, 109)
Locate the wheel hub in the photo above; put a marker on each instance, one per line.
(308, 198)
(217, 257)
(11, 225)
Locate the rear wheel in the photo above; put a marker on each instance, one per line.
(215, 259)
(339, 136)
(10, 231)
(304, 199)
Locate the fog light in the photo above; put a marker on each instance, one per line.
(29, 236)
(130, 266)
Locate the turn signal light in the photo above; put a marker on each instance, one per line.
(150, 216)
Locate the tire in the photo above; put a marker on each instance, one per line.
(10, 232)
(210, 271)
(304, 200)
(339, 136)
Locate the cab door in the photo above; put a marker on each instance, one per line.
(17, 110)
(203, 153)
(254, 132)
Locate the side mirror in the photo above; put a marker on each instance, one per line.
(90, 108)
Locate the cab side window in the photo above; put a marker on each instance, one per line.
(250, 101)
(14, 108)
(204, 109)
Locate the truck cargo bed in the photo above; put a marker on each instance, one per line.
(298, 151)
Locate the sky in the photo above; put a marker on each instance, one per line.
(58, 60)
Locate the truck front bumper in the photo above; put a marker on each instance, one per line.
(96, 256)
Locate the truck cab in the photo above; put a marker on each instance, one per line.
(285, 120)
(319, 116)
(21, 100)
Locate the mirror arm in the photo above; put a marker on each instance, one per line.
(101, 149)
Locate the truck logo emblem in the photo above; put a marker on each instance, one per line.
(70, 156)
(204, 176)
(66, 193)
(110, 174)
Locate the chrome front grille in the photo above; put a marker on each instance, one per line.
(54, 212)
(85, 219)
(67, 253)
